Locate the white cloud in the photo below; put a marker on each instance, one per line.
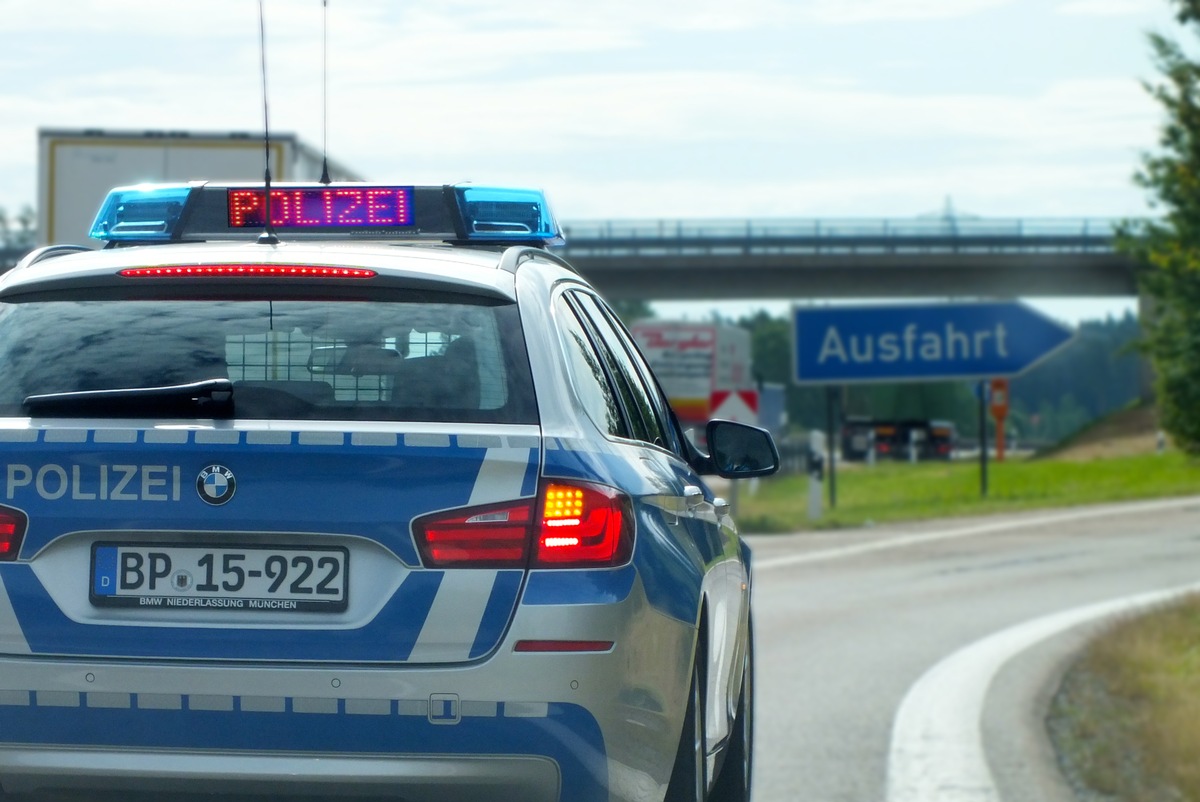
(1006, 189)
(860, 11)
(1108, 8)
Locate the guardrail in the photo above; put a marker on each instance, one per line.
(640, 237)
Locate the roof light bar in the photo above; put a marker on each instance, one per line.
(150, 213)
(146, 213)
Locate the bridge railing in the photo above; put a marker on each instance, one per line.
(616, 237)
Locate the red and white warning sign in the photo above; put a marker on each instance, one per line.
(736, 405)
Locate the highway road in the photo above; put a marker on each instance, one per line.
(915, 662)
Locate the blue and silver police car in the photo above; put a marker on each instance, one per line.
(383, 500)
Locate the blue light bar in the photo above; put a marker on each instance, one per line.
(501, 214)
(143, 213)
(150, 213)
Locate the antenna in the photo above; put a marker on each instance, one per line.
(268, 236)
(325, 92)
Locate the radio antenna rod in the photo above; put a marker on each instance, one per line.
(268, 236)
(325, 92)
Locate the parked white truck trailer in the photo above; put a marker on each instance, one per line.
(77, 168)
(704, 369)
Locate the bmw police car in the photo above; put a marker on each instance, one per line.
(382, 501)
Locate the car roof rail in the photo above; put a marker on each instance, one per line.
(514, 255)
(47, 252)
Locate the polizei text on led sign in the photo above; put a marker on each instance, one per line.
(331, 207)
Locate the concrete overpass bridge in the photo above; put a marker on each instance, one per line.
(851, 258)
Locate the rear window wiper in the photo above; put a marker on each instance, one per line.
(211, 398)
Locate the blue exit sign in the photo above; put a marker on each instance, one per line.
(920, 342)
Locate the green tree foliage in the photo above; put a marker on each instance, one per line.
(771, 349)
(632, 310)
(1099, 372)
(1169, 248)
(17, 232)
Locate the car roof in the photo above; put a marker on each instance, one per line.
(444, 267)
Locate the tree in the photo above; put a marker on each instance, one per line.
(632, 310)
(1168, 249)
(17, 232)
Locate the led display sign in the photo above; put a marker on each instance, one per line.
(326, 207)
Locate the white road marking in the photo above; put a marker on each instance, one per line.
(1067, 516)
(937, 752)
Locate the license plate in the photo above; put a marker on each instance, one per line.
(171, 576)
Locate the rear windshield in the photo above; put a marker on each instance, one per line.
(450, 360)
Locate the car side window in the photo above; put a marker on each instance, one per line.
(590, 379)
(658, 399)
(638, 397)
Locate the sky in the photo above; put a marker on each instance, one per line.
(633, 109)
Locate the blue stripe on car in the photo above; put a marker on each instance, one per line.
(568, 734)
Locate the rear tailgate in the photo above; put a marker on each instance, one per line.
(254, 541)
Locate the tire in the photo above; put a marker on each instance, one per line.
(733, 782)
(689, 780)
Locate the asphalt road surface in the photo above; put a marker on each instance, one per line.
(915, 662)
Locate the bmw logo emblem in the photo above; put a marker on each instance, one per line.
(216, 484)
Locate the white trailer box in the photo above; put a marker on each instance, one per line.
(77, 168)
(695, 362)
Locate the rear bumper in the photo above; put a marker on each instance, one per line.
(583, 727)
(423, 777)
(429, 744)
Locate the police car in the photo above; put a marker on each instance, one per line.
(382, 500)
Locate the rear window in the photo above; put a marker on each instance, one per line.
(450, 360)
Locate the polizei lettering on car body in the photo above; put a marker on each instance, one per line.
(54, 482)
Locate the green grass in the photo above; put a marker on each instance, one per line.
(903, 492)
(1128, 713)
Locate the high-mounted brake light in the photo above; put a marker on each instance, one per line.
(12, 532)
(150, 213)
(245, 271)
(572, 525)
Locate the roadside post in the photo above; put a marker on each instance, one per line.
(816, 472)
(999, 408)
(981, 391)
(831, 399)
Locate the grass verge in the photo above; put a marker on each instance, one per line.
(902, 492)
(1126, 720)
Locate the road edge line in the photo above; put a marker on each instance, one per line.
(1075, 514)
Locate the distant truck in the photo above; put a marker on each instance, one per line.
(77, 168)
(705, 370)
(892, 439)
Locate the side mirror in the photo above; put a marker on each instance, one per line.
(739, 451)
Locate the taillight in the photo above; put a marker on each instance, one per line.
(576, 525)
(495, 536)
(583, 526)
(12, 532)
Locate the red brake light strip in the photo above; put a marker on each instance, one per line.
(244, 271)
